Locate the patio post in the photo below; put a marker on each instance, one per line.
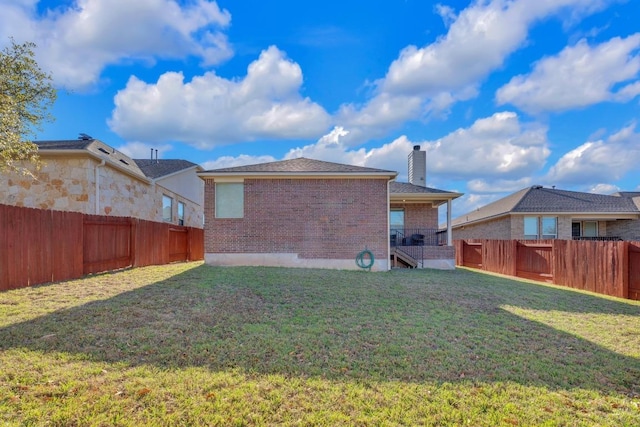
(449, 235)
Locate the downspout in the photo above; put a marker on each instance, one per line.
(449, 234)
(102, 163)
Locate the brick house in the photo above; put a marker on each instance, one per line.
(311, 213)
(88, 176)
(548, 213)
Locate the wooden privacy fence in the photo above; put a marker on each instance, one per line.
(42, 246)
(605, 267)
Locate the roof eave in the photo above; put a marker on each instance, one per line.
(439, 198)
(296, 175)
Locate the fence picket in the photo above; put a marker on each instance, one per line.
(605, 267)
(41, 246)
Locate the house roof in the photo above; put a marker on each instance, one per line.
(410, 193)
(631, 194)
(406, 188)
(538, 199)
(157, 168)
(297, 167)
(95, 148)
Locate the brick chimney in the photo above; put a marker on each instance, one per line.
(418, 167)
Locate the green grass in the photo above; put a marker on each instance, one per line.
(188, 344)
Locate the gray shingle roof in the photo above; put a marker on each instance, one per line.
(95, 147)
(162, 167)
(300, 165)
(406, 188)
(538, 199)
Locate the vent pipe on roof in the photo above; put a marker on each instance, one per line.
(418, 167)
(156, 155)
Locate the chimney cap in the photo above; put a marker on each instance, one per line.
(416, 147)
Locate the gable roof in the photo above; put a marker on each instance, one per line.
(158, 168)
(95, 148)
(297, 167)
(538, 199)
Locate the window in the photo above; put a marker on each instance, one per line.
(590, 229)
(531, 227)
(396, 219)
(545, 227)
(549, 227)
(167, 208)
(180, 213)
(584, 229)
(229, 200)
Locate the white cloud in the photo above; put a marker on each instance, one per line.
(210, 110)
(604, 189)
(140, 150)
(76, 42)
(498, 185)
(241, 160)
(429, 80)
(599, 161)
(579, 76)
(498, 147)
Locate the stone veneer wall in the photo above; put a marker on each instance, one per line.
(301, 222)
(69, 184)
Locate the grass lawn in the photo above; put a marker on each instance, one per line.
(188, 344)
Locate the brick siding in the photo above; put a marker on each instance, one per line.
(314, 218)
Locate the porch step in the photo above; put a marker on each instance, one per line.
(399, 256)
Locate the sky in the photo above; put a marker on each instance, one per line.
(501, 94)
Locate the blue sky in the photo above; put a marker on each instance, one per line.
(501, 94)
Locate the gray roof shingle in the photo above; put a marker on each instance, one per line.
(538, 199)
(157, 168)
(406, 188)
(299, 165)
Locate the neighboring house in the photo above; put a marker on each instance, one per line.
(548, 213)
(311, 213)
(86, 175)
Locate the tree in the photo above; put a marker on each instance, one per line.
(26, 95)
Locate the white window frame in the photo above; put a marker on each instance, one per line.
(166, 199)
(533, 222)
(544, 227)
(541, 225)
(181, 208)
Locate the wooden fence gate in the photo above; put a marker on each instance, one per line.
(634, 271)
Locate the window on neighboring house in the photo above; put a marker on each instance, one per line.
(590, 229)
(549, 227)
(180, 213)
(167, 208)
(229, 200)
(536, 227)
(584, 229)
(531, 227)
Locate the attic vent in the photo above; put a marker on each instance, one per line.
(537, 187)
(103, 150)
(85, 137)
(125, 162)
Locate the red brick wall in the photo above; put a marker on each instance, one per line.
(315, 218)
(418, 215)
